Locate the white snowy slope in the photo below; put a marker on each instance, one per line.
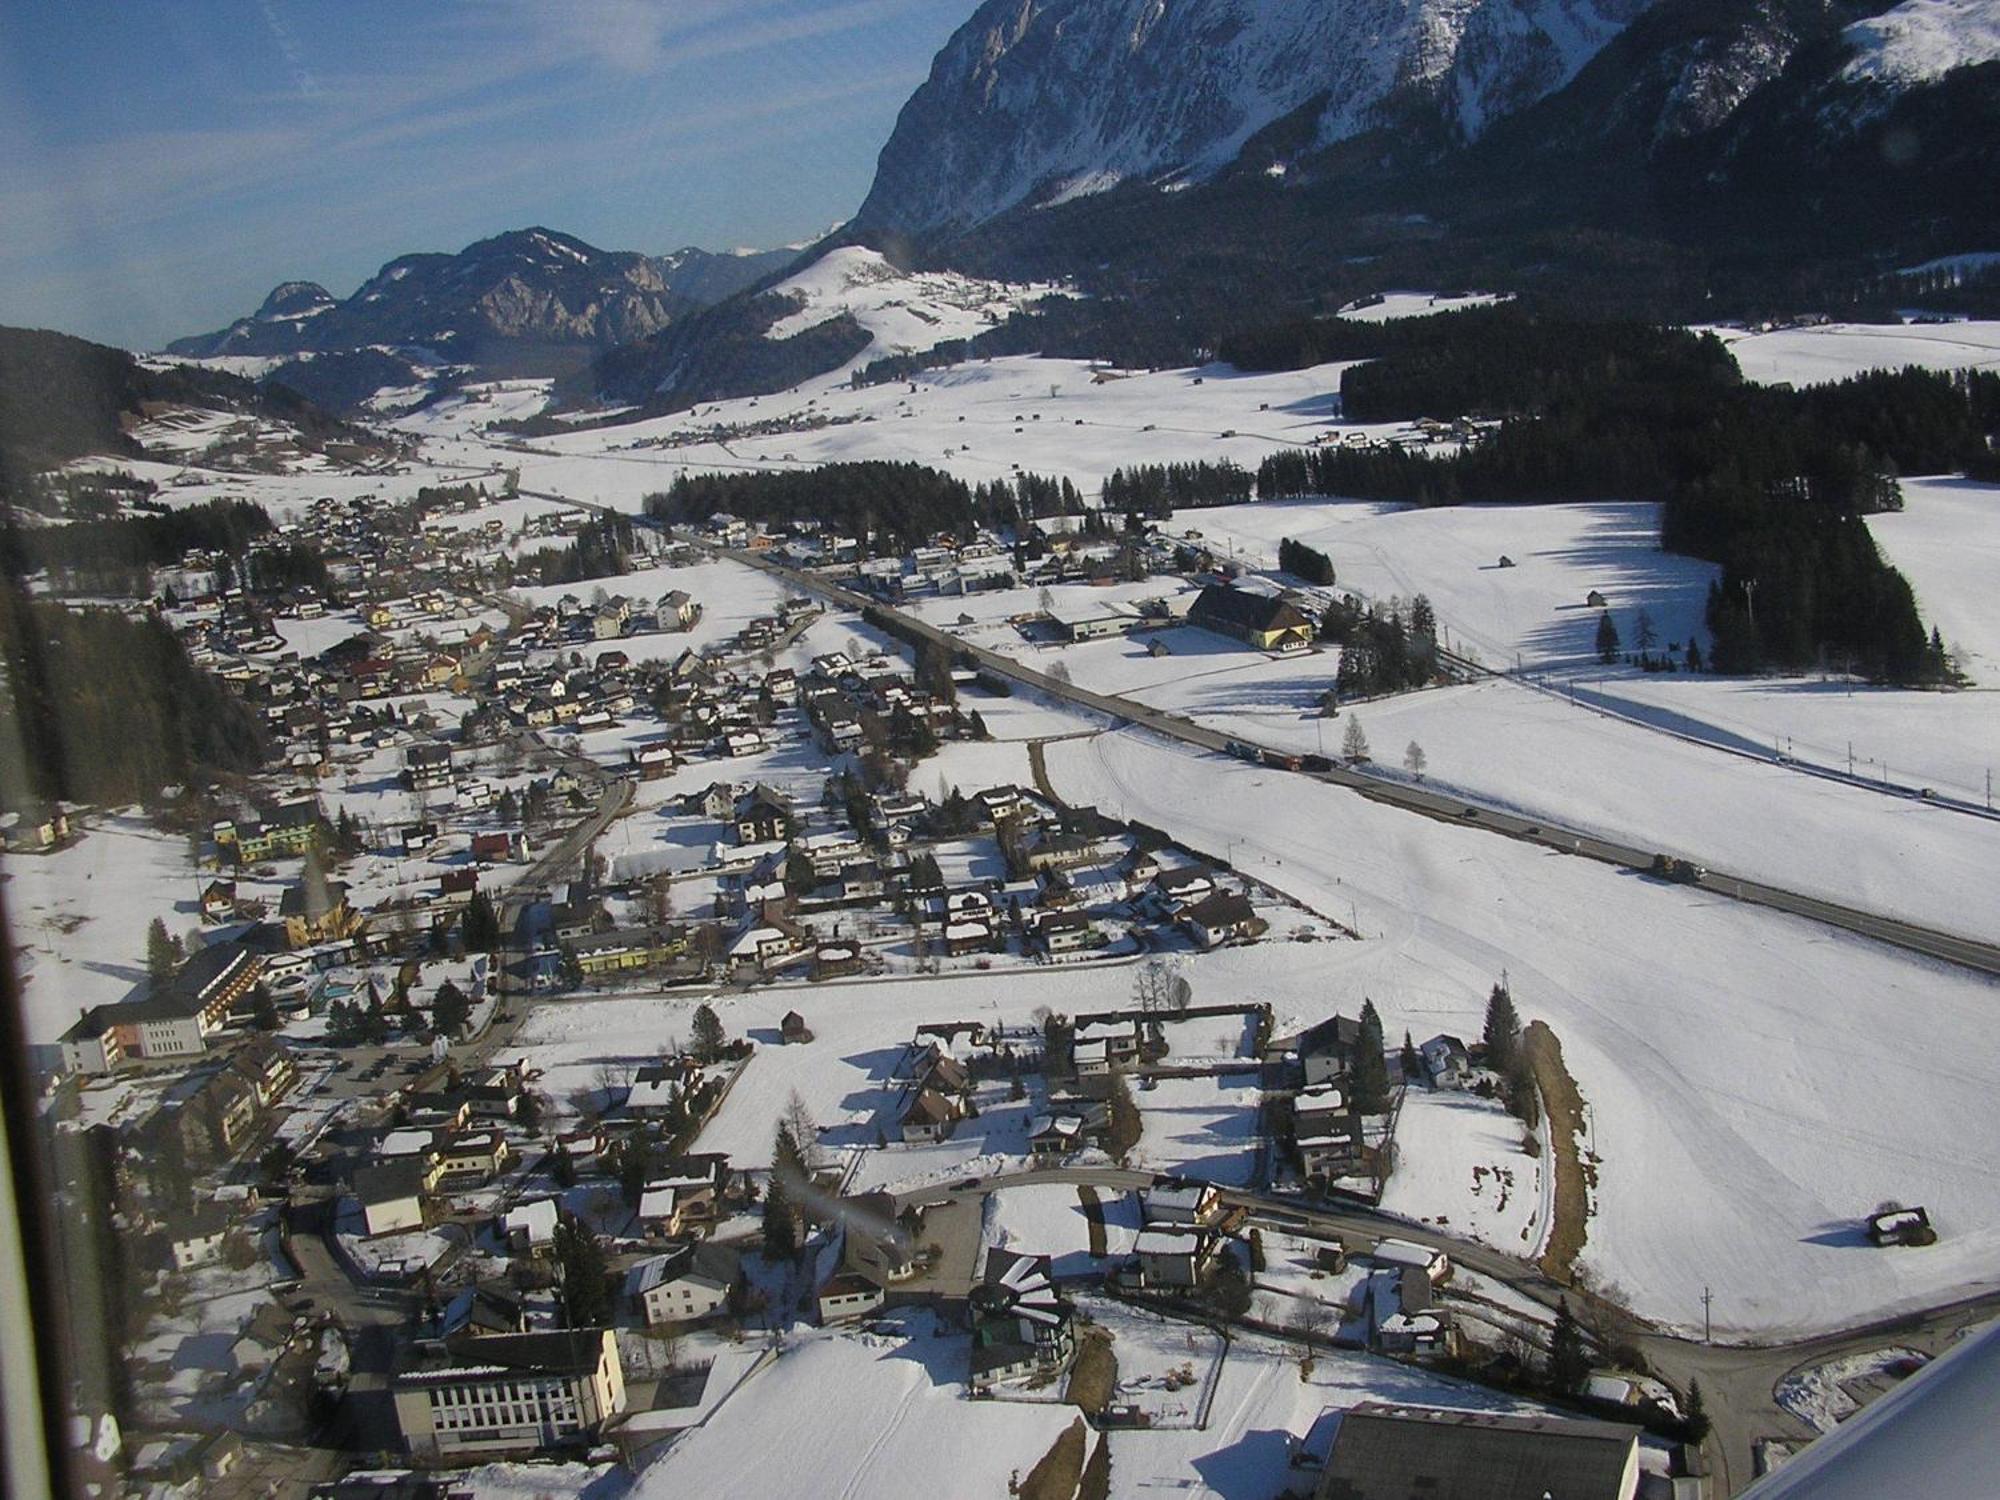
(1034, 102)
(1922, 40)
(906, 312)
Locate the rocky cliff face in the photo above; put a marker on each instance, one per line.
(1039, 101)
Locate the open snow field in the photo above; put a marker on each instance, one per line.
(1835, 351)
(1755, 1082)
(1531, 614)
(80, 916)
(1946, 541)
(1538, 754)
(1460, 1166)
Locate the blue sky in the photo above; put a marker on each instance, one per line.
(163, 163)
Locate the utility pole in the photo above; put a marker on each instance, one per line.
(1707, 1321)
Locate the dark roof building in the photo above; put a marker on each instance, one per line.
(1263, 620)
(1386, 1452)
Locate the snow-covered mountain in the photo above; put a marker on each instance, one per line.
(1922, 40)
(1038, 101)
(530, 288)
(902, 312)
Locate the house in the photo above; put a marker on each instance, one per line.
(677, 611)
(931, 1115)
(1120, 1038)
(793, 1029)
(1260, 620)
(1221, 917)
(878, 1241)
(1447, 1064)
(653, 759)
(392, 1196)
(465, 1158)
(530, 1228)
(218, 901)
(197, 1239)
(835, 960)
(1434, 1263)
(1060, 932)
(1077, 1124)
(1021, 1325)
(1332, 1147)
(968, 935)
(1901, 1226)
(846, 1295)
(763, 816)
(684, 1285)
(1091, 1061)
(1181, 1204)
(1185, 886)
(427, 766)
(507, 1392)
(659, 1211)
(1385, 1451)
(1326, 1051)
(1316, 1107)
(1175, 1256)
(770, 938)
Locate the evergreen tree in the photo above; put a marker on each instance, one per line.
(1413, 1064)
(585, 1278)
(1569, 1361)
(159, 952)
(1697, 1422)
(1503, 1029)
(781, 1211)
(1694, 654)
(1371, 1064)
(1230, 1293)
(1607, 638)
(481, 924)
(709, 1037)
(263, 1009)
(449, 1010)
(1354, 743)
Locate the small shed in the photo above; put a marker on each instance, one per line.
(793, 1028)
(1595, 599)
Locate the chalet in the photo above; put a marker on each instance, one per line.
(1070, 1126)
(530, 1228)
(771, 938)
(1175, 1256)
(500, 846)
(391, 1196)
(654, 759)
(1384, 1452)
(972, 935)
(1221, 918)
(1181, 1204)
(1021, 1325)
(659, 1212)
(218, 901)
(1260, 620)
(497, 1393)
(1091, 1061)
(1404, 1254)
(1447, 1064)
(1060, 932)
(427, 766)
(197, 1239)
(315, 910)
(677, 611)
(472, 1157)
(685, 1285)
(1332, 1147)
(931, 1115)
(1326, 1051)
(1185, 886)
(1121, 1039)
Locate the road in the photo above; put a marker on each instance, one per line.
(1929, 941)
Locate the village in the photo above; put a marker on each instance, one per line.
(403, 1213)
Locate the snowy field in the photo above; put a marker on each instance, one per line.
(1531, 614)
(1460, 1167)
(1835, 351)
(80, 916)
(1755, 1082)
(1206, 1127)
(1538, 754)
(1946, 541)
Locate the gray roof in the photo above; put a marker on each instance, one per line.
(1386, 1452)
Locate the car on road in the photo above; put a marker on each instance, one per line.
(1468, 812)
